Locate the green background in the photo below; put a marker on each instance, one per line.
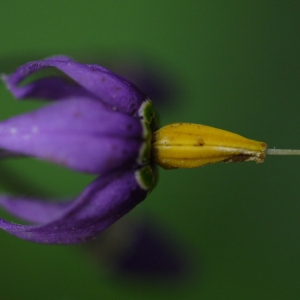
(236, 64)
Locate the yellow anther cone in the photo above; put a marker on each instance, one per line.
(186, 145)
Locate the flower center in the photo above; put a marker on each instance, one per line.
(147, 116)
(145, 175)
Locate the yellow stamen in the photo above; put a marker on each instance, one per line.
(186, 145)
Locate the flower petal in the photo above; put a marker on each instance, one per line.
(50, 88)
(108, 87)
(31, 210)
(79, 133)
(102, 203)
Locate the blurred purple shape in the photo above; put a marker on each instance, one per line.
(152, 254)
(138, 249)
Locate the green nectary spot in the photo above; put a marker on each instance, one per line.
(145, 178)
(145, 151)
(147, 111)
(147, 132)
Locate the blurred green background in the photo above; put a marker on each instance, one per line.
(236, 66)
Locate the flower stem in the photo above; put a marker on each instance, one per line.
(282, 151)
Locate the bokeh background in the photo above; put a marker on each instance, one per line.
(231, 231)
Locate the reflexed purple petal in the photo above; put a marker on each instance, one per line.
(52, 88)
(102, 203)
(34, 211)
(79, 133)
(103, 84)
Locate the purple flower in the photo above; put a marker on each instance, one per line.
(102, 124)
(98, 123)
